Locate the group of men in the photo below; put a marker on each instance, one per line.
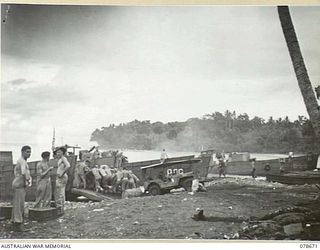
(103, 178)
(87, 175)
(22, 180)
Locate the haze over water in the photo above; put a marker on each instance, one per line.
(133, 155)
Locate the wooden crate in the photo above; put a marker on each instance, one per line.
(43, 214)
(5, 211)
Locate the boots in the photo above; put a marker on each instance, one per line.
(17, 227)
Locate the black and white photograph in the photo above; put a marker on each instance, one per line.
(160, 122)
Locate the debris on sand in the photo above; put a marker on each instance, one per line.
(291, 209)
(197, 186)
(282, 223)
(246, 181)
(235, 236)
(82, 198)
(200, 235)
(97, 210)
(199, 216)
(293, 229)
(263, 229)
(177, 191)
(134, 192)
(226, 237)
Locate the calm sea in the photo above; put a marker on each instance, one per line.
(133, 155)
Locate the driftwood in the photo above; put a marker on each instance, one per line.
(199, 216)
(271, 215)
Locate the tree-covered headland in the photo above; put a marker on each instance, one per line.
(228, 132)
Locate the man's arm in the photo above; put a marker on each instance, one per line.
(136, 179)
(24, 170)
(43, 174)
(67, 166)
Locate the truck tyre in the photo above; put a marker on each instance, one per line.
(187, 184)
(154, 189)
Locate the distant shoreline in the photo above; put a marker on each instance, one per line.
(141, 155)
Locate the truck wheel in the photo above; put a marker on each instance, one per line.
(187, 184)
(154, 189)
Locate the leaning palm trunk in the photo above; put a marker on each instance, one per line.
(300, 69)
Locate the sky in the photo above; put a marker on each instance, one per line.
(78, 68)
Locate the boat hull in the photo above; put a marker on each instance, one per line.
(296, 178)
(300, 163)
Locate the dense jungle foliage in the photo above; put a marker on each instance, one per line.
(228, 132)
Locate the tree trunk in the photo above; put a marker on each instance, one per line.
(300, 68)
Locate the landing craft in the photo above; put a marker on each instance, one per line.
(240, 164)
(199, 164)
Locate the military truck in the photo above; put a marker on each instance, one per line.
(162, 177)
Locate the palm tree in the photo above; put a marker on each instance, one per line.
(300, 68)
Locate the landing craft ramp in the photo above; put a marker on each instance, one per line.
(91, 195)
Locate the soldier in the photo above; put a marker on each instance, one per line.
(253, 168)
(95, 156)
(125, 183)
(21, 180)
(133, 179)
(43, 193)
(282, 166)
(80, 174)
(163, 156)
(62, 178)
(107, 176)
(222, 166)
(97, 177)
